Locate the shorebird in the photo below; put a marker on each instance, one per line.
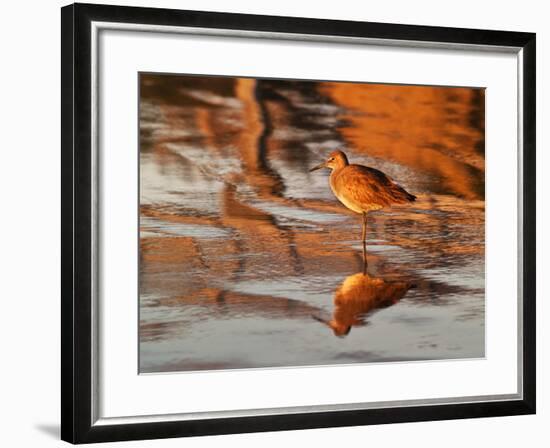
(362, 189)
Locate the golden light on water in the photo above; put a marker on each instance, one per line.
(244, 253)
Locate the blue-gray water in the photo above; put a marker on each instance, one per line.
(247, 260)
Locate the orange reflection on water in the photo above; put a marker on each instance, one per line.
(359, 295)
(439, 131)
(240, 245)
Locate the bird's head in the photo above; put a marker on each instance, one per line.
(336, 159)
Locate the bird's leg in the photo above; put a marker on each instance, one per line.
(364, 239)
(364, 234)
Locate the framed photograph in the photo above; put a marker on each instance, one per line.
(275, 223)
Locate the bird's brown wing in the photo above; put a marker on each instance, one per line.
(370, 187)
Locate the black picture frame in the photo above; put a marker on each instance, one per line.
(77, 424)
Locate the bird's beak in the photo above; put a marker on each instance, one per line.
(340, 332)
(320, 319)
(318, 167)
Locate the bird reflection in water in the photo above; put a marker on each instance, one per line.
(358, 296)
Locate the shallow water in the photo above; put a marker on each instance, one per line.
(247, 259)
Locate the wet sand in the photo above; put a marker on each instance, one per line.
(247, 260)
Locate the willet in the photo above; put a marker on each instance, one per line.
(362, 189)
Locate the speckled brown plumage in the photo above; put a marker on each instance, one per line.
(362, 189)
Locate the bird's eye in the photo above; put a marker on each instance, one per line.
(331, 159)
